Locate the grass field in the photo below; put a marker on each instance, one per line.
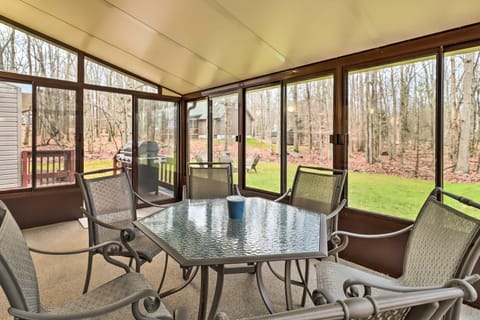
(395, 196)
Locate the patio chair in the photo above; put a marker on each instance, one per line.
(320, 190)
(20, 285)
(208, 180)
(201, 157)
(251, 163)
(110, 206)
(443, 243)
(427, 304)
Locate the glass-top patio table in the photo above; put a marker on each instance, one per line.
(200, 233)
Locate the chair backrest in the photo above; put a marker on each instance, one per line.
(208, 180)
(443, 244)
(318, 189)
(18, 278)
(109, 197)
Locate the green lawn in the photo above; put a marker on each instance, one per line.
(396, 196)
(91, 165)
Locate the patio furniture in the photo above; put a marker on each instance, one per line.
(110, 206)
(199, 233)
(208, 180)
(320, 190)
(443, 243)
(20, 285)
(251, 163)
(201, 157)
(428, 304)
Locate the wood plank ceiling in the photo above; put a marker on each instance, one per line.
(191, 45)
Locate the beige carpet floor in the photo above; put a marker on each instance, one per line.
(61, 277)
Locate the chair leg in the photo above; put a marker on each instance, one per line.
(275, 273)
(307, 276)
(163, 274)
(186, 272)
(89, 272)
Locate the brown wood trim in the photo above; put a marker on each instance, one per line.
(42, 207)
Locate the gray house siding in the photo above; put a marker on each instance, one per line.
(10, 135)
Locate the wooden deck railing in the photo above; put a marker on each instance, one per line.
(53, 167)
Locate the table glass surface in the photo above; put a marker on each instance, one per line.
(200, 231)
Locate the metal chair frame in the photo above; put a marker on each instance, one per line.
(94, 222)
(19, 282)
(332, 216)
(463, 227)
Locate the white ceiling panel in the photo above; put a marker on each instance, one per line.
(189, 45)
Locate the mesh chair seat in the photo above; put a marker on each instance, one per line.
(332, 275)
(124, 287)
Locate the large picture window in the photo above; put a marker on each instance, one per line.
(391, 128)
(98, 74)
(24, 53)
(107, 127)
(263, 139)
(157, 149)
(462, 122)
(55, 138)
(309, 124)
(197, 131)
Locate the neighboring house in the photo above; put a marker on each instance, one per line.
(10, 135)
(198, 116)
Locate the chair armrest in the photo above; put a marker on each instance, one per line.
(372, 236)
(337, 209)
(470, 294)
(184, 192)
(114, 244)
(283, 196)
(126, 235)
(108, 248)
(237, 189)
(149, 202)
(340, 238)
(129, 232)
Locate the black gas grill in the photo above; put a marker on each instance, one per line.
(148, 164)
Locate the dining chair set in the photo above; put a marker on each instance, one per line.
(442, 250)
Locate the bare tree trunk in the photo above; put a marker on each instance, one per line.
(465, 117)
(227, 124)
(404, 112)
(310, 120)
(416, 136)
(394, 119)
(370, 115)
(454, 130)
(295, 118)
